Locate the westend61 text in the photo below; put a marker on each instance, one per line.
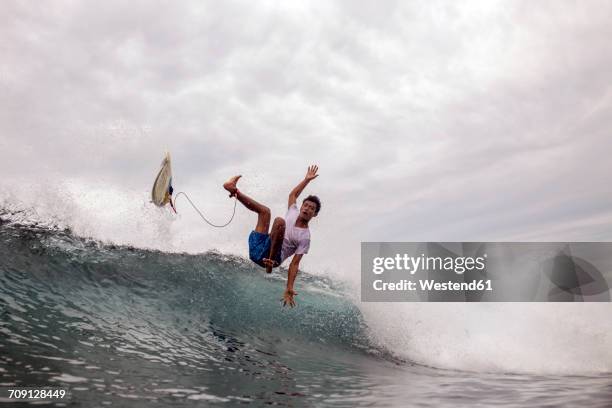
(475, 285)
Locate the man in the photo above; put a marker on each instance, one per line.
(289, 236)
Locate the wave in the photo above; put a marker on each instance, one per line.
(202, 301)
(101, 316)
(53, 266)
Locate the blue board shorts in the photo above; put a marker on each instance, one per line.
(259, 248)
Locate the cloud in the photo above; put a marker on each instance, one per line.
(429, 120)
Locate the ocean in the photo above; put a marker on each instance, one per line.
(118, 325)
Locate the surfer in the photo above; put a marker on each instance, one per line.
(288, 236)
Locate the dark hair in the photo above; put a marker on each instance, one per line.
(314, 199)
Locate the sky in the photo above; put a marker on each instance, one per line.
(429, 120)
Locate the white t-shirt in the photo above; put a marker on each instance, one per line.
(296, 240)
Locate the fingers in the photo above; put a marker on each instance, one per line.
(312, 172)
(288, 300)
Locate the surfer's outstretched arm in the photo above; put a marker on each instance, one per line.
(293, 270)
(311, 174)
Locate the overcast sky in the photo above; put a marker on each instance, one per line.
(429, 120)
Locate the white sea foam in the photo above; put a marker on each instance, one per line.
(541, 338)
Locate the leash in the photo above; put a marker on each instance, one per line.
(202, 215)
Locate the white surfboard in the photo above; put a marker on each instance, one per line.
(161, 192)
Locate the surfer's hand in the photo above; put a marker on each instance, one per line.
(288, 298)
(311, 173)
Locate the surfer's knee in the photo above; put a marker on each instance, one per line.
(279, 222)
(278, 226)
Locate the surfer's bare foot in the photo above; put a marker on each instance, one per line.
(269, 263)
(230, 185)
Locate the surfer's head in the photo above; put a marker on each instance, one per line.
(310, 207)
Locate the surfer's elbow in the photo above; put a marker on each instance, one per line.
(292, 198)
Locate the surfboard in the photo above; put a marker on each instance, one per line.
(161, 193)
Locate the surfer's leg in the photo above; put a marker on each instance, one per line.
(263, 212)
(276, 237)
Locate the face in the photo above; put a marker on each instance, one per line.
(308, 210)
